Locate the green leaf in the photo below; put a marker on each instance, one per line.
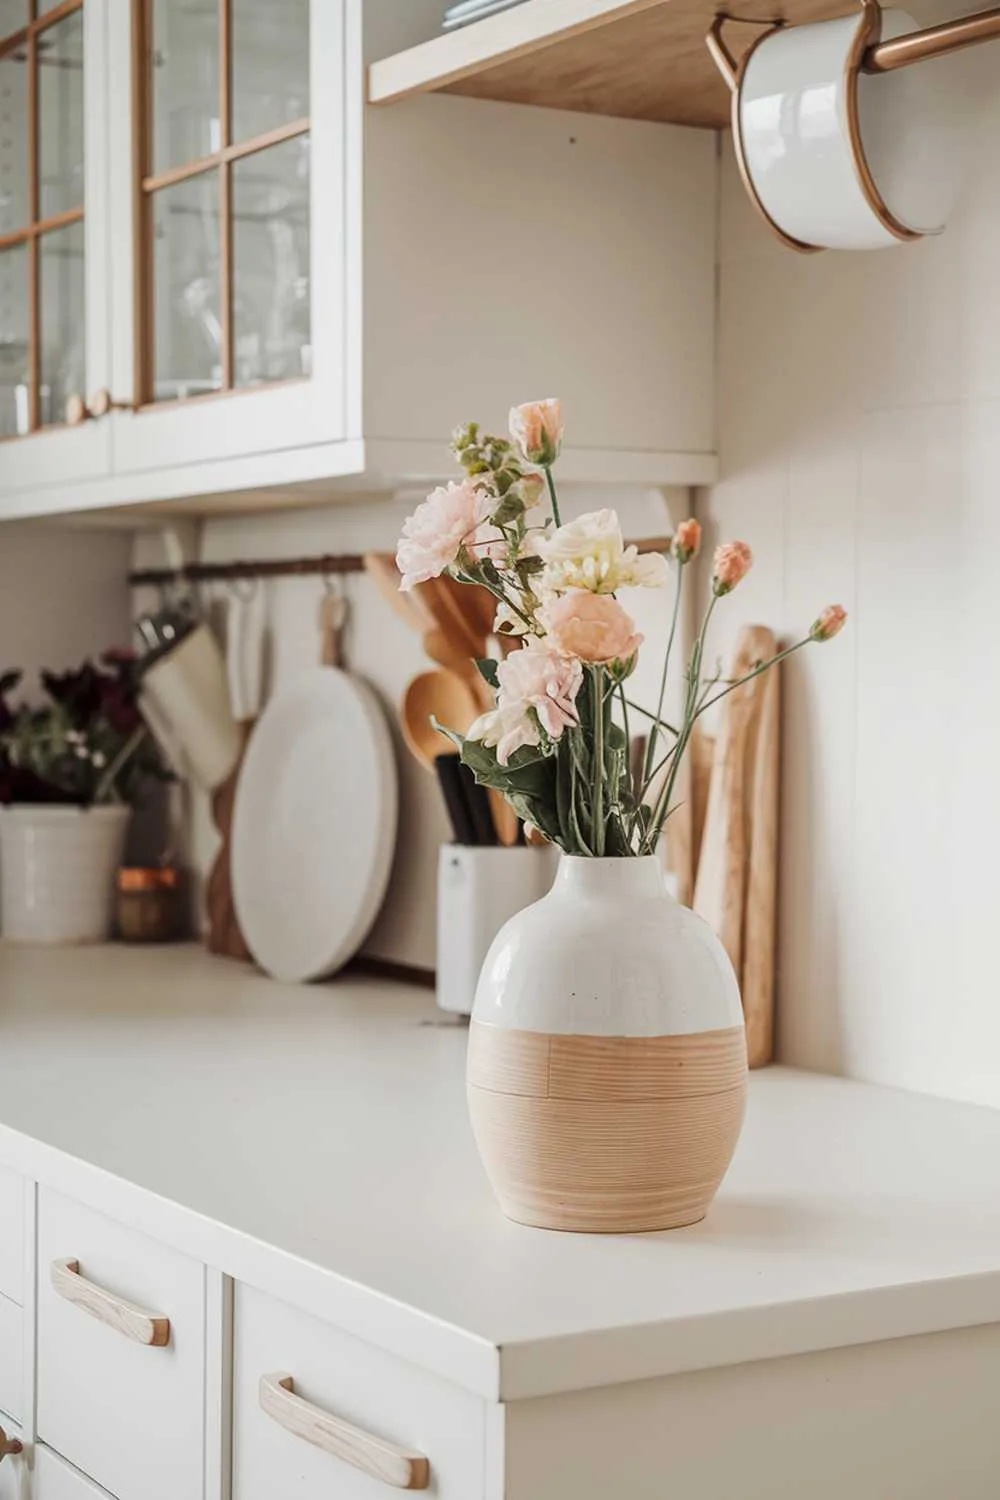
(457, 740)
(510, 509)
(487, 669)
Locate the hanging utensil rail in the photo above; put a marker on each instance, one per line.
(323, 566)
(933, 41)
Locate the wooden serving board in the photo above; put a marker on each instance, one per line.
(736, 885)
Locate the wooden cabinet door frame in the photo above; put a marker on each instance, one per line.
(215, 429)
(54, 458)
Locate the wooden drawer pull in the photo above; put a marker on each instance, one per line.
(9, 1445)
(372, 1455)
(134, 1322)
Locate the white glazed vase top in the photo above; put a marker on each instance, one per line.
(608, 952)
(607, 1055)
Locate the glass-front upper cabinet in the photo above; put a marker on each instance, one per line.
(230, 133)
(47, 294)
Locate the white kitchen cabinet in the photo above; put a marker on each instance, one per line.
(128, 1413)
(832, 1328)
(11, 1235)
(14, 1468)
(11, 1359)
(378, 1404)
(53, 1479)
(290, 293)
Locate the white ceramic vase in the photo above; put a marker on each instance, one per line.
(607, 1056)
(57, 872)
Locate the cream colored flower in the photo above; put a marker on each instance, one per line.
(506, 730)
(590, 553)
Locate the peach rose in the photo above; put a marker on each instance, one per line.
(830, 623)
(593, 627)
(438, 529)
(687, 541)
(537, 429)
(733, 561)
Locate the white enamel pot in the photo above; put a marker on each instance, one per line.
(835, 156)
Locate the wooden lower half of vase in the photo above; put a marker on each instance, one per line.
(606, 1135)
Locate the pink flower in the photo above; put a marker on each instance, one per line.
(544, 680)
(537, 429)
(733, 561)
(537, 691)
(687, 541)
(434, 535)
(830, 623)
(593, 627)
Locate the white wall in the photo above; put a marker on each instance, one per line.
(860, 446)
(63, 596)
(383, 649)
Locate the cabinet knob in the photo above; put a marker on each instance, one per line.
(101, 402)
(9, 1445)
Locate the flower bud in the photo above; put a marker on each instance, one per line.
(537, 429)
(732, 562)
(830, 623)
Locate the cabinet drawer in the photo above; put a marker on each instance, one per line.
(360, 1414)
(11, 1358)
(11, 1235)
(55, 1480)
(121, 1354)
(13, 1470)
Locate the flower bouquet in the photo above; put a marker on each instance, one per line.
(607, 1052)
(556, 744)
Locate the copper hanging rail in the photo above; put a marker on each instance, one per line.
(933, 41)
(323, 566)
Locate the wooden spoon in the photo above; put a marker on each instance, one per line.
(450, 701)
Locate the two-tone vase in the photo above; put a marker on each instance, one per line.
(607, 1071)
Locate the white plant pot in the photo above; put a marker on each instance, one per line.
(57, 872)
(607, 1055)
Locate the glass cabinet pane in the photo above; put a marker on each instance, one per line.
(60, 116)
(15, 208)
(271, 324)
(270, 65)
(62, 321)
(187, 331)
(14, 352)
(183, 44)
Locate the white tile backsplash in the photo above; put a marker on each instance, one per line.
(860, 448)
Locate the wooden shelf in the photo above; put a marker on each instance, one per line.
(637, 59)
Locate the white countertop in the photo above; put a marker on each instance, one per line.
(314, 1142)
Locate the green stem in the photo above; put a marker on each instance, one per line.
(553, 497)
(598, 690)
(762, 666)
(646, 714)
(651, 746)
(687, 724)
(124, 755)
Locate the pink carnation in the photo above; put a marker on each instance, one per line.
(733, 561)
(830, 623)
(544, 680)
(593, 627)
(434, 535)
